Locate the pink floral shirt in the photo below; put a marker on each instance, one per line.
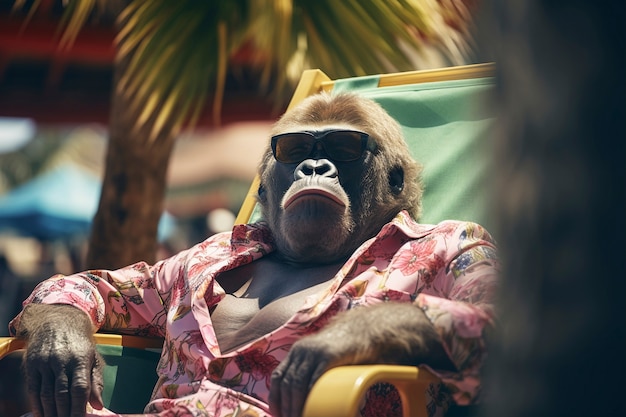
(448, 270)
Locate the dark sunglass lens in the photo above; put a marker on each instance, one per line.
(293, 148)
(344, 145)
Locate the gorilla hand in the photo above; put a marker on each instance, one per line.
(387, 333)
(63, 369)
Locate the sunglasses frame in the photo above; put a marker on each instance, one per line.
(367, 143)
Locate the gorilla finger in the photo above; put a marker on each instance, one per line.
(281, 390)
(47, 395)
(296, 400)
(97, 384)
(34, 393)
(80, 392)
(288, 379)
(62, 395)
(301, 388)
(276, 382)
(275, 393)
(294, 388)
(293, 396)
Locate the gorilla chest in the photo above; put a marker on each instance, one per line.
(262, 296)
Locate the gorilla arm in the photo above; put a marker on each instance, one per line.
(63, 369)
(387, 333)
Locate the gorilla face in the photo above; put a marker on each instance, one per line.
(311, 205)
(336, 171)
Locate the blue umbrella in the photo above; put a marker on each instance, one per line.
(58, 204)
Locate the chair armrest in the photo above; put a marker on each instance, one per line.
(138, 342)
(336, 394)
(11, 344)
(339, 391)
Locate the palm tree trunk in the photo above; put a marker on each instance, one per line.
(124, 229)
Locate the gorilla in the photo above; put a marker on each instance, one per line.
(338, 272)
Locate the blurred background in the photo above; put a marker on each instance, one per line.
(181, 96)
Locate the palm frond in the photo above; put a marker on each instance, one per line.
(74, 19)
(354, 37)
(178, 51)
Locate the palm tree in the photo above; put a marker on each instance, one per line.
(172, 54)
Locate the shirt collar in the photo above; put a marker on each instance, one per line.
(258, 234)
(405, 224)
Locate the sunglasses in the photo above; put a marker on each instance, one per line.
(339, 145)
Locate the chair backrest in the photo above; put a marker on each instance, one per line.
(445, 116)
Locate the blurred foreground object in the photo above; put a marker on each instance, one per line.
(561, 158)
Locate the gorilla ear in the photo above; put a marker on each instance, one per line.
(396, 180)
(261, 192)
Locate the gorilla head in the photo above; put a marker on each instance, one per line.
(337, 169)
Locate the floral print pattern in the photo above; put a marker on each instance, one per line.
(448, 270)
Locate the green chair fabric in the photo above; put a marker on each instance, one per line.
(446, 125)
(129, 377)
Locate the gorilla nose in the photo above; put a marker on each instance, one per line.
(312, 167)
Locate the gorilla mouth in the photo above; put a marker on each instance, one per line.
(313, 193)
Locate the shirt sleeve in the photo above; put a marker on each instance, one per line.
(466, 314)
(130, 300)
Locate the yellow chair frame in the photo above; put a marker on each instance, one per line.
(339, 391)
